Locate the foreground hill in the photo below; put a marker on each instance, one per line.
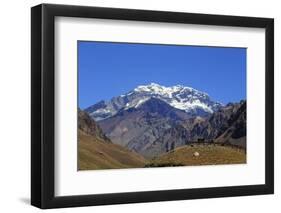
(97, 154)
(193, 155)
(96, 151)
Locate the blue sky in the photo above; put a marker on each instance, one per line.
(108, 69)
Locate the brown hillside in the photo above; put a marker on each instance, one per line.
(207, 155)
(94, 153)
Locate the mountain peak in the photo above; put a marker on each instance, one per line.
(181, 97)
(148, 88)
(165, 90)
(152, 84)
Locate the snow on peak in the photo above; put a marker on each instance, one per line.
(154, 88)
(178, 96)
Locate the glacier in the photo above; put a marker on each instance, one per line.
(188, 99)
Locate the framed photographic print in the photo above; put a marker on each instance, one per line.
(139, 106)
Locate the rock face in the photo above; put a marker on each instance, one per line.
(154, 119)
(96, 151)
(220, 121)
(190, 100)
(136, 128)
(155, 127)
(227, 126)
(235, 133)
(87, 125)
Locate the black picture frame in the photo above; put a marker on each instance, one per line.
(43, 111)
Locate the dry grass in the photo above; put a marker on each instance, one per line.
(96, 154)
(208, 155)
(93, 153)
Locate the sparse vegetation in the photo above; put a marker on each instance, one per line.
(168, 164)
(208, 155)
(157, 135)
(96, 154)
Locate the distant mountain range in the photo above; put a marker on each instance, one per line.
(152, 120)
(190, 100)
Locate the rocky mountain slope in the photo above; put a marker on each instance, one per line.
(96, 151)
(136, 128)
(153, 119)
(87, 125)
(235, 133)
(226, 126)
(155, 127)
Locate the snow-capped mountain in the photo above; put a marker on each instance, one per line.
(190, 100)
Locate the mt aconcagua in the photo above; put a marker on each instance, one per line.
(192, 101)
(153, 119)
